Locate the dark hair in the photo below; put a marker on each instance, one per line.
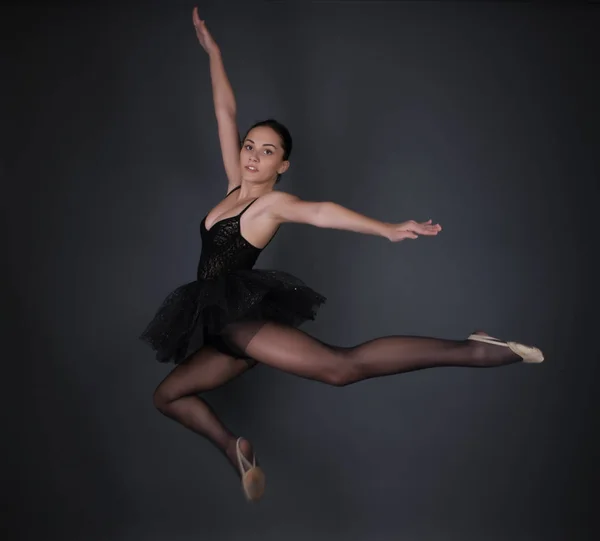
(281, 130)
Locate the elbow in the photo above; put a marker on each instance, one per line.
(226, 110)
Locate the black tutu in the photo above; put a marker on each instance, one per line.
(197, 313)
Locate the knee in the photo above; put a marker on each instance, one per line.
(161, 400)
(342, 372)
(338, 379)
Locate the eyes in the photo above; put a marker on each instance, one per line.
(249, 147)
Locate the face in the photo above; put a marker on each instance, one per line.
(261, 157)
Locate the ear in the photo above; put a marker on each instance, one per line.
(283, 167)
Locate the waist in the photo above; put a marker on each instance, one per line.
(208, 272)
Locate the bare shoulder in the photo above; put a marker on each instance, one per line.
(276, 197)
(275, 202)
(232, 186)
(286, 207)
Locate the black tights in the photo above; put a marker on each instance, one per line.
(292, 350)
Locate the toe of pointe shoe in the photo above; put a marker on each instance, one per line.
(253, 477)
(253, 484)
(529, 354)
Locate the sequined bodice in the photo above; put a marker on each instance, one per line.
(224, 249)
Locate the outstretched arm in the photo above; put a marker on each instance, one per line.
(224, 102)
(289, 208)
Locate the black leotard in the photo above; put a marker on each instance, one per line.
(227, 289)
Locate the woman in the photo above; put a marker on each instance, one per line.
(218, 326)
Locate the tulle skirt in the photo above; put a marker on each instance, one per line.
(199, 312)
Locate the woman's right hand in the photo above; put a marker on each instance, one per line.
(204, 37)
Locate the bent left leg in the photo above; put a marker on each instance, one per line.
(177, 397)
(296, 352)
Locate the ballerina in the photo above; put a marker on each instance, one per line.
(233, 315)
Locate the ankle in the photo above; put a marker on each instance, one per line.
(490, 355)
(245, 447)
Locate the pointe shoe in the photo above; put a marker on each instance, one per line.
(529, 354)
(253, 478)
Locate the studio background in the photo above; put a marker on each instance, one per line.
(483, 117)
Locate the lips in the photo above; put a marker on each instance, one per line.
(251, 168)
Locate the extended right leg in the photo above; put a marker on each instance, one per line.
(176, 397)
(294, 351)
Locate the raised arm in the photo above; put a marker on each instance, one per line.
(224, 102)
(284, 207)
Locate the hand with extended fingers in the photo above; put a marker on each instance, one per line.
(412, 230)
(204, 37)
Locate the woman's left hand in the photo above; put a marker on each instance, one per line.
(412, 230)
(203, 35)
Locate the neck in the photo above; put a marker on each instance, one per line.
(252, 190)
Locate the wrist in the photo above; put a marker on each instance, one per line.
(215, 52)
(385, 230)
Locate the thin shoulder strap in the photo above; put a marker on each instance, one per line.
(251, 202)
(236, 188)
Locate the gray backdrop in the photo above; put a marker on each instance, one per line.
(483, 117)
